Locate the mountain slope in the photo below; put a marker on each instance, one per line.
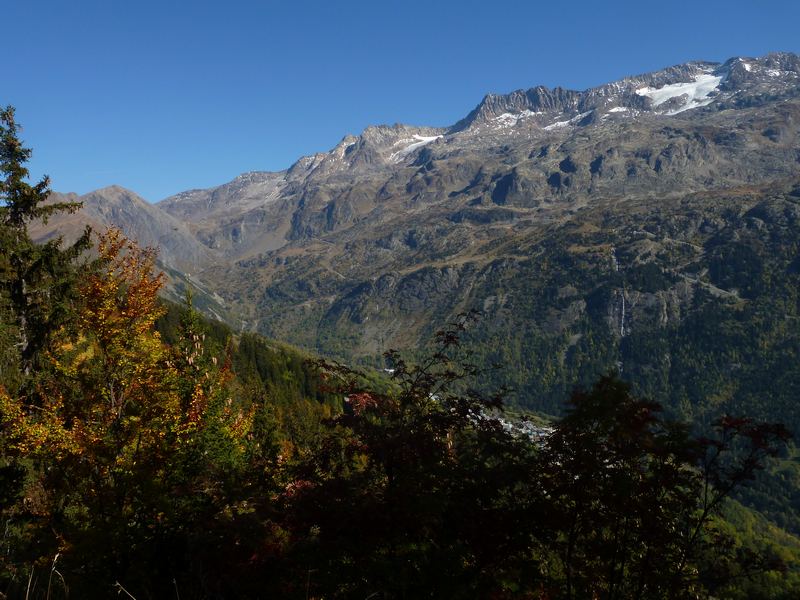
(149, 224)
(180, 254)
(594, 229)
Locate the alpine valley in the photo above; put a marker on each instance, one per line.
(650, 226)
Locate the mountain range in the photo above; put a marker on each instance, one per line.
(649, 225)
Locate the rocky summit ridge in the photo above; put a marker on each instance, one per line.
(585, 225)
(249, 215)
(669, 91)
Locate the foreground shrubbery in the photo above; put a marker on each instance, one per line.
(146, 453)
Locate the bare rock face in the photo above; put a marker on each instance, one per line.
(594, 229)
(147, 223)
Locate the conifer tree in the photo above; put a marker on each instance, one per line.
(37, 280)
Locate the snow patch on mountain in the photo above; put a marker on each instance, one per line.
(420, 140)
(509, 119)
(572, 121)
(697, 93)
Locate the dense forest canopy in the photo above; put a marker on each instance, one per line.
(147, 452)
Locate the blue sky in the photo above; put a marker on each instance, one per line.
(166, 96)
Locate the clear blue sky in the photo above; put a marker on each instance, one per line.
(165, 96)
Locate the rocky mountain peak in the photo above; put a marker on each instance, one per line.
(534, 101)
(543, 112)
(669, 91)
(118, 193)
(376, 146)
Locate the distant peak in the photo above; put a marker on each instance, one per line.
(115, 191)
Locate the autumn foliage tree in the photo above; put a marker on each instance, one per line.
(127, 426)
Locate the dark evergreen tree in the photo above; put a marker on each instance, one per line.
(36, 280)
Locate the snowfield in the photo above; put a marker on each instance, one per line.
(698, 92)
(421, 140)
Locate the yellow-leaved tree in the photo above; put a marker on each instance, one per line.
(129, 433)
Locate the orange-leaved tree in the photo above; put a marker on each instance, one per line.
(126, 422)
(105, 408)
